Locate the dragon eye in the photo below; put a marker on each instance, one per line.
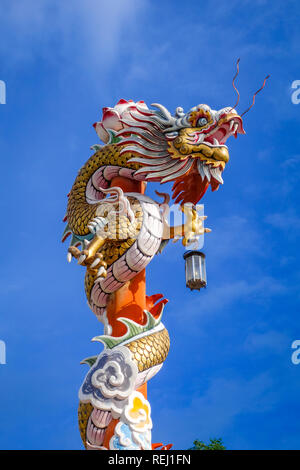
(202, 121)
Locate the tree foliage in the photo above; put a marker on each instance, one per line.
(214, 444)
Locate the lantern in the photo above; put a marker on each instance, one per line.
(195, 271)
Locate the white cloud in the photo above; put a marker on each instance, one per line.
(272, 340)
(49, 29)
(235, 235)
(224, 295)
(287, 220)
(211, 413)
(291, 163)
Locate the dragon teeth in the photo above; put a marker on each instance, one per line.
(200, 169)
(216, 174)
(231, 124)
(207, 173)
(216, 142)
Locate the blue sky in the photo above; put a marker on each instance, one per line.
(229, 372)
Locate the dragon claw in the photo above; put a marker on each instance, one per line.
(98, 260)
(73, 251)
(193, 226)
(81, 259)
(95, 263)
(90, 257)
(102, 272)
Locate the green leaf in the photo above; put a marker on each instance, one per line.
(89, 360)
(214, 444)
(133, 329)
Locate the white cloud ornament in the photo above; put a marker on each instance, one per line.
(110, 381)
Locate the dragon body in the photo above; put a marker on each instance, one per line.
(115, 233)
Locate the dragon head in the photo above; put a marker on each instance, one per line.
(199, 139)
(187, 148)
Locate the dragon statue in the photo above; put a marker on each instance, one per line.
(115, 232)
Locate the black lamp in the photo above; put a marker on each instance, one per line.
(195, 271)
